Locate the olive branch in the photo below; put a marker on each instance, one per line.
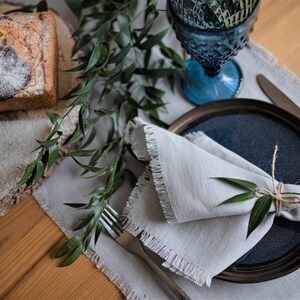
(118, 57)
(264, 197)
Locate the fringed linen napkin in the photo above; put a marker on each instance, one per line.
(175, 205)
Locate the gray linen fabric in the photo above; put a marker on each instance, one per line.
(129, 273)
(123, 268)
(186, 191)
(186, 187)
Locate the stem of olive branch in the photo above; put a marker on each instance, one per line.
(288, 200)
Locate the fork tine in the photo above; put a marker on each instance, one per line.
(113, 219)
(108, 228)
(110, 221)
(112, 211)
(112, 225)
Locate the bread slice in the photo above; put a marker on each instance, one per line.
(28, 61)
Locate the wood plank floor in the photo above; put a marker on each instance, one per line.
(28, 241)
(28, 238)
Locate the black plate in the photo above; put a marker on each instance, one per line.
(251, 129)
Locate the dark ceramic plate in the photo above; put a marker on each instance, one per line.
(251, 129)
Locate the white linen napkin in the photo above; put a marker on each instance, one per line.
(179, 187)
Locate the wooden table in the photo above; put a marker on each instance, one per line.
(28, 238)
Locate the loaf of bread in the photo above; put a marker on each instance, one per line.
(20, 129)
(28, 61)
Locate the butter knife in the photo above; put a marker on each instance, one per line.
(277, 96)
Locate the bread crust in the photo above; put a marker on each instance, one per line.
(48, 49)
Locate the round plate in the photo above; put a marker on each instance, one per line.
(251, 128)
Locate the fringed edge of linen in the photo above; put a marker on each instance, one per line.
(268, 57)
(116, 279)
(173, 261)
(158, 176)
(125, 288)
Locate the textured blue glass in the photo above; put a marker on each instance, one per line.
(211, 49)
(212, 14)
(201, 88)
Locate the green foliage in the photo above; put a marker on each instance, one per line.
(241, 183)
(259, 212)
(239, 198)
(118, 57)
(261, 207)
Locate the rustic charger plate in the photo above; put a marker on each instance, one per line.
(251, 128)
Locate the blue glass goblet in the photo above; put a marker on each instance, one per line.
(210, 74)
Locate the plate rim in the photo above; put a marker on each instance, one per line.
(290, 261)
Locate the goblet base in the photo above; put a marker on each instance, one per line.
(200, 88)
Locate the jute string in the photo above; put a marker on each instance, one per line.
(289, 200)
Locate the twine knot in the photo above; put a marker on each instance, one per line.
(289, 200)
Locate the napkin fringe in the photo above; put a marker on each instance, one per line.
(134, 196)
(119, 281)
(173, 261)
(272, 60)
(158, 176)
(116, 279)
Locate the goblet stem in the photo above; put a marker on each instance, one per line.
(209, 47)
(201, 85)
(212, 71)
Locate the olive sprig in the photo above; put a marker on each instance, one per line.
(118, 58)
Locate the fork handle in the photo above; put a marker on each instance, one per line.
(180, 294)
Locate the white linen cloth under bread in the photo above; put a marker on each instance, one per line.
(180, 185)
(125, 270)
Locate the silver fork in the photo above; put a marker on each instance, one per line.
(111, 222)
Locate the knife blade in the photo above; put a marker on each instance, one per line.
(277, 96)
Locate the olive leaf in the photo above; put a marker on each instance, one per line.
(81, 153)
(27, 174)
(239, 198)
(85, 221)
(99, 55)
(73, 256)
(98, 230)
(117, 58)
(147, 26)
(87, 167)
(52, 117)
(48, 143)
(52, 155)
(39, 171)
(76, 205)
(153, 40)
(42, 6)
(68, 246)
(259, 212)
(75, 6)
(91, 137)
(241, 183)
(261, 207)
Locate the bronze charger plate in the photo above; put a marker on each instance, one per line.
(251, 128)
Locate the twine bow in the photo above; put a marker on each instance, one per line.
(289, 200)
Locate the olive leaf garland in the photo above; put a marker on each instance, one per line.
(117, 57)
